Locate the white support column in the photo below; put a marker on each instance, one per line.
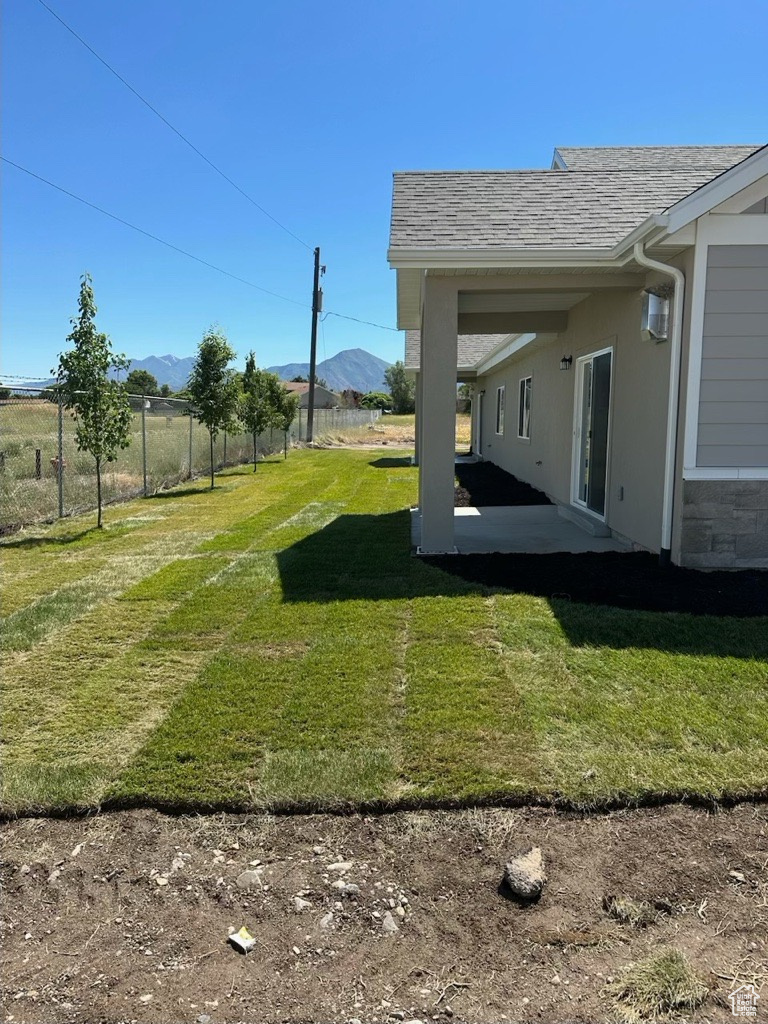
(417, 422)
(472, 418)
(438, 414)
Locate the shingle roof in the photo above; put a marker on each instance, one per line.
(531, 209)
(618, 158)
(302, 387)
(472, 348)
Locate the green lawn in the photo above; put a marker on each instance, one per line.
(273, 643)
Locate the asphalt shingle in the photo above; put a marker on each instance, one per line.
(624, 158)
(471, 348)
(531, 209)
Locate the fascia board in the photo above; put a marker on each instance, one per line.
(718, 190)
(470, 259)
(650, 231)
(504, 351)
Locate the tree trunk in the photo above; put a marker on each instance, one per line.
(98, 493)
(254, 451)
(210, 434)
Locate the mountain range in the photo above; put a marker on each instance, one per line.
(168, 370)
(354, 368)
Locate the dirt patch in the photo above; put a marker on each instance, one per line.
(483, 485)
(623, 580)
(124, 917)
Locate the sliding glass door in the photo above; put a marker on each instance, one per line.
(592, 421)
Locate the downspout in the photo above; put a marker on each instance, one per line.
(673, 406)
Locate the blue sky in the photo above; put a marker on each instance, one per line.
(310, 107)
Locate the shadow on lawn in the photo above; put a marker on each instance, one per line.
(367, 557)
(392, 463)
(91, 536)
(181, 492)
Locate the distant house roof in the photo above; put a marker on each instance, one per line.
(625, 158)
(531, 209)
(471, 348)
(302, 388)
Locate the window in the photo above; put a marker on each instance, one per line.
(524, 409)
(500, 409)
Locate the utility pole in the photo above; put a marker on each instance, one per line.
(316, 308)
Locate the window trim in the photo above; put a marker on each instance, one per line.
(501, 401)
(524, 387)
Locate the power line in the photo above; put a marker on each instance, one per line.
(382, 327)
(173, 128)
(155, 238)
(176, 248)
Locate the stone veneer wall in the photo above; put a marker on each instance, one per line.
(725, 524)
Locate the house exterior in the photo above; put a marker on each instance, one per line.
(324, 399)
(612, 313)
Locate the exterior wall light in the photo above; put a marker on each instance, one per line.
(655, 316)
(565, 362)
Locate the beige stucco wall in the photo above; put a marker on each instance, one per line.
(638, 420)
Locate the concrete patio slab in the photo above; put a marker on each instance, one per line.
(533, 529)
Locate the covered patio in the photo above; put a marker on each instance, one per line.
(517, 310)
(525, 529)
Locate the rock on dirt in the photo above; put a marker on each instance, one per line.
(525, 875)
(248, 880)
(389, 925)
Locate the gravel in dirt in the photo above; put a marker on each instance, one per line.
(426, 930)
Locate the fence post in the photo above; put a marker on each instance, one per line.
(225, 447)
(191, 426)
(299, 424)
(60, 460)
(144, 443)
(38, 464)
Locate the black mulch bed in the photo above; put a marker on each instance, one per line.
(481, 484)
(624, 580)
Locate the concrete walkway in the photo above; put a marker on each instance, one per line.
(534, 529)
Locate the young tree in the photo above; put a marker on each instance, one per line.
(213, 387)
(141, 382)
(351, 399)
(285, 414)
(260, 400)
(376, 400)
(165, 391)
(320, 382)
(99, 404)
(401, 387)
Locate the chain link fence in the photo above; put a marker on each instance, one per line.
(43, 476)
(332, 421)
